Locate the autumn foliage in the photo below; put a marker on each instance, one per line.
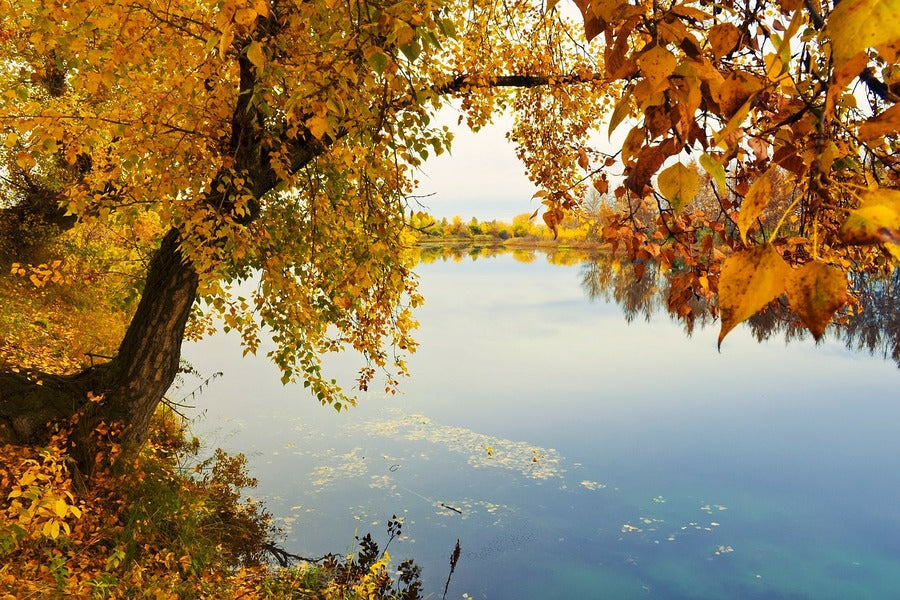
(790, 110)
(267, 151)
(174, 524)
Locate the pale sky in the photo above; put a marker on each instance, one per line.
(480, 178)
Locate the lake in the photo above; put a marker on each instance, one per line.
(580, 445)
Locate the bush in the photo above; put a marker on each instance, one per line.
(164, 523)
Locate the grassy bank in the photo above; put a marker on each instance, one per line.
(165, 523)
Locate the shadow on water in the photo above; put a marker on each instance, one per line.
(872, 323)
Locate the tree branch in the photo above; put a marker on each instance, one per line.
(465, 82)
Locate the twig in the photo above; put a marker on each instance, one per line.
(284, 558)
(454, 558)
(448, 507)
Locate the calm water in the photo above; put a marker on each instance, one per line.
(628, 460)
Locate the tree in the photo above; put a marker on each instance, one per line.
(270, 139)
(279, 140)
(772, 97)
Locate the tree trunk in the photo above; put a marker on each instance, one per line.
(131, 385)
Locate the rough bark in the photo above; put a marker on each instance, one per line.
(131, 385)
(134, 382)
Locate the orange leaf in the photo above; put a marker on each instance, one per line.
(649, 160)
(593, 24)
(724, 38)
(749, 280)
(583, 160)
(815, 291)
(735, 91)
(886, 123)
(552, 218)
(633, 142)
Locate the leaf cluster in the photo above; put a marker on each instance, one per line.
(154, 529)
(800, 169)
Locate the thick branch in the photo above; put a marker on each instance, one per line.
(466, 82)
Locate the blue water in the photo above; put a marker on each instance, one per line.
(589, 457)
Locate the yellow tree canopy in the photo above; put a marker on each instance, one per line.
(279, 137)
(283, 137)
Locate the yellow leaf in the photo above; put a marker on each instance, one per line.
(722, 137)
(244, 16)
(749, 280)
(679, 184)
(261, 7)
(60, 508)
(754, 203)
(894, 250)
(855, 25)
(815, 291)
(715, 170)
(11, 139)
(50, 529)
(656, 65)
(225, 40)
(255, 55)
(886, 123)
(776, 70)
(317, 126)
(876, 221)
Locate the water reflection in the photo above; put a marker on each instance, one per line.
(576, 456)
(872, 324)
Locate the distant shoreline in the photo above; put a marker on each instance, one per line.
(513, 243)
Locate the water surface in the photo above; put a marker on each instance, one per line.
(586, 454)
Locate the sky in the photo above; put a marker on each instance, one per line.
(481, 177)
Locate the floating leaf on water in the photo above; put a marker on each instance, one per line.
(592, 485)
(533, 462)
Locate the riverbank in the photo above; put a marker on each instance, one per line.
(513, 243)
(171, 521)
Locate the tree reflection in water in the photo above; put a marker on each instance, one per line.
(871, 323)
